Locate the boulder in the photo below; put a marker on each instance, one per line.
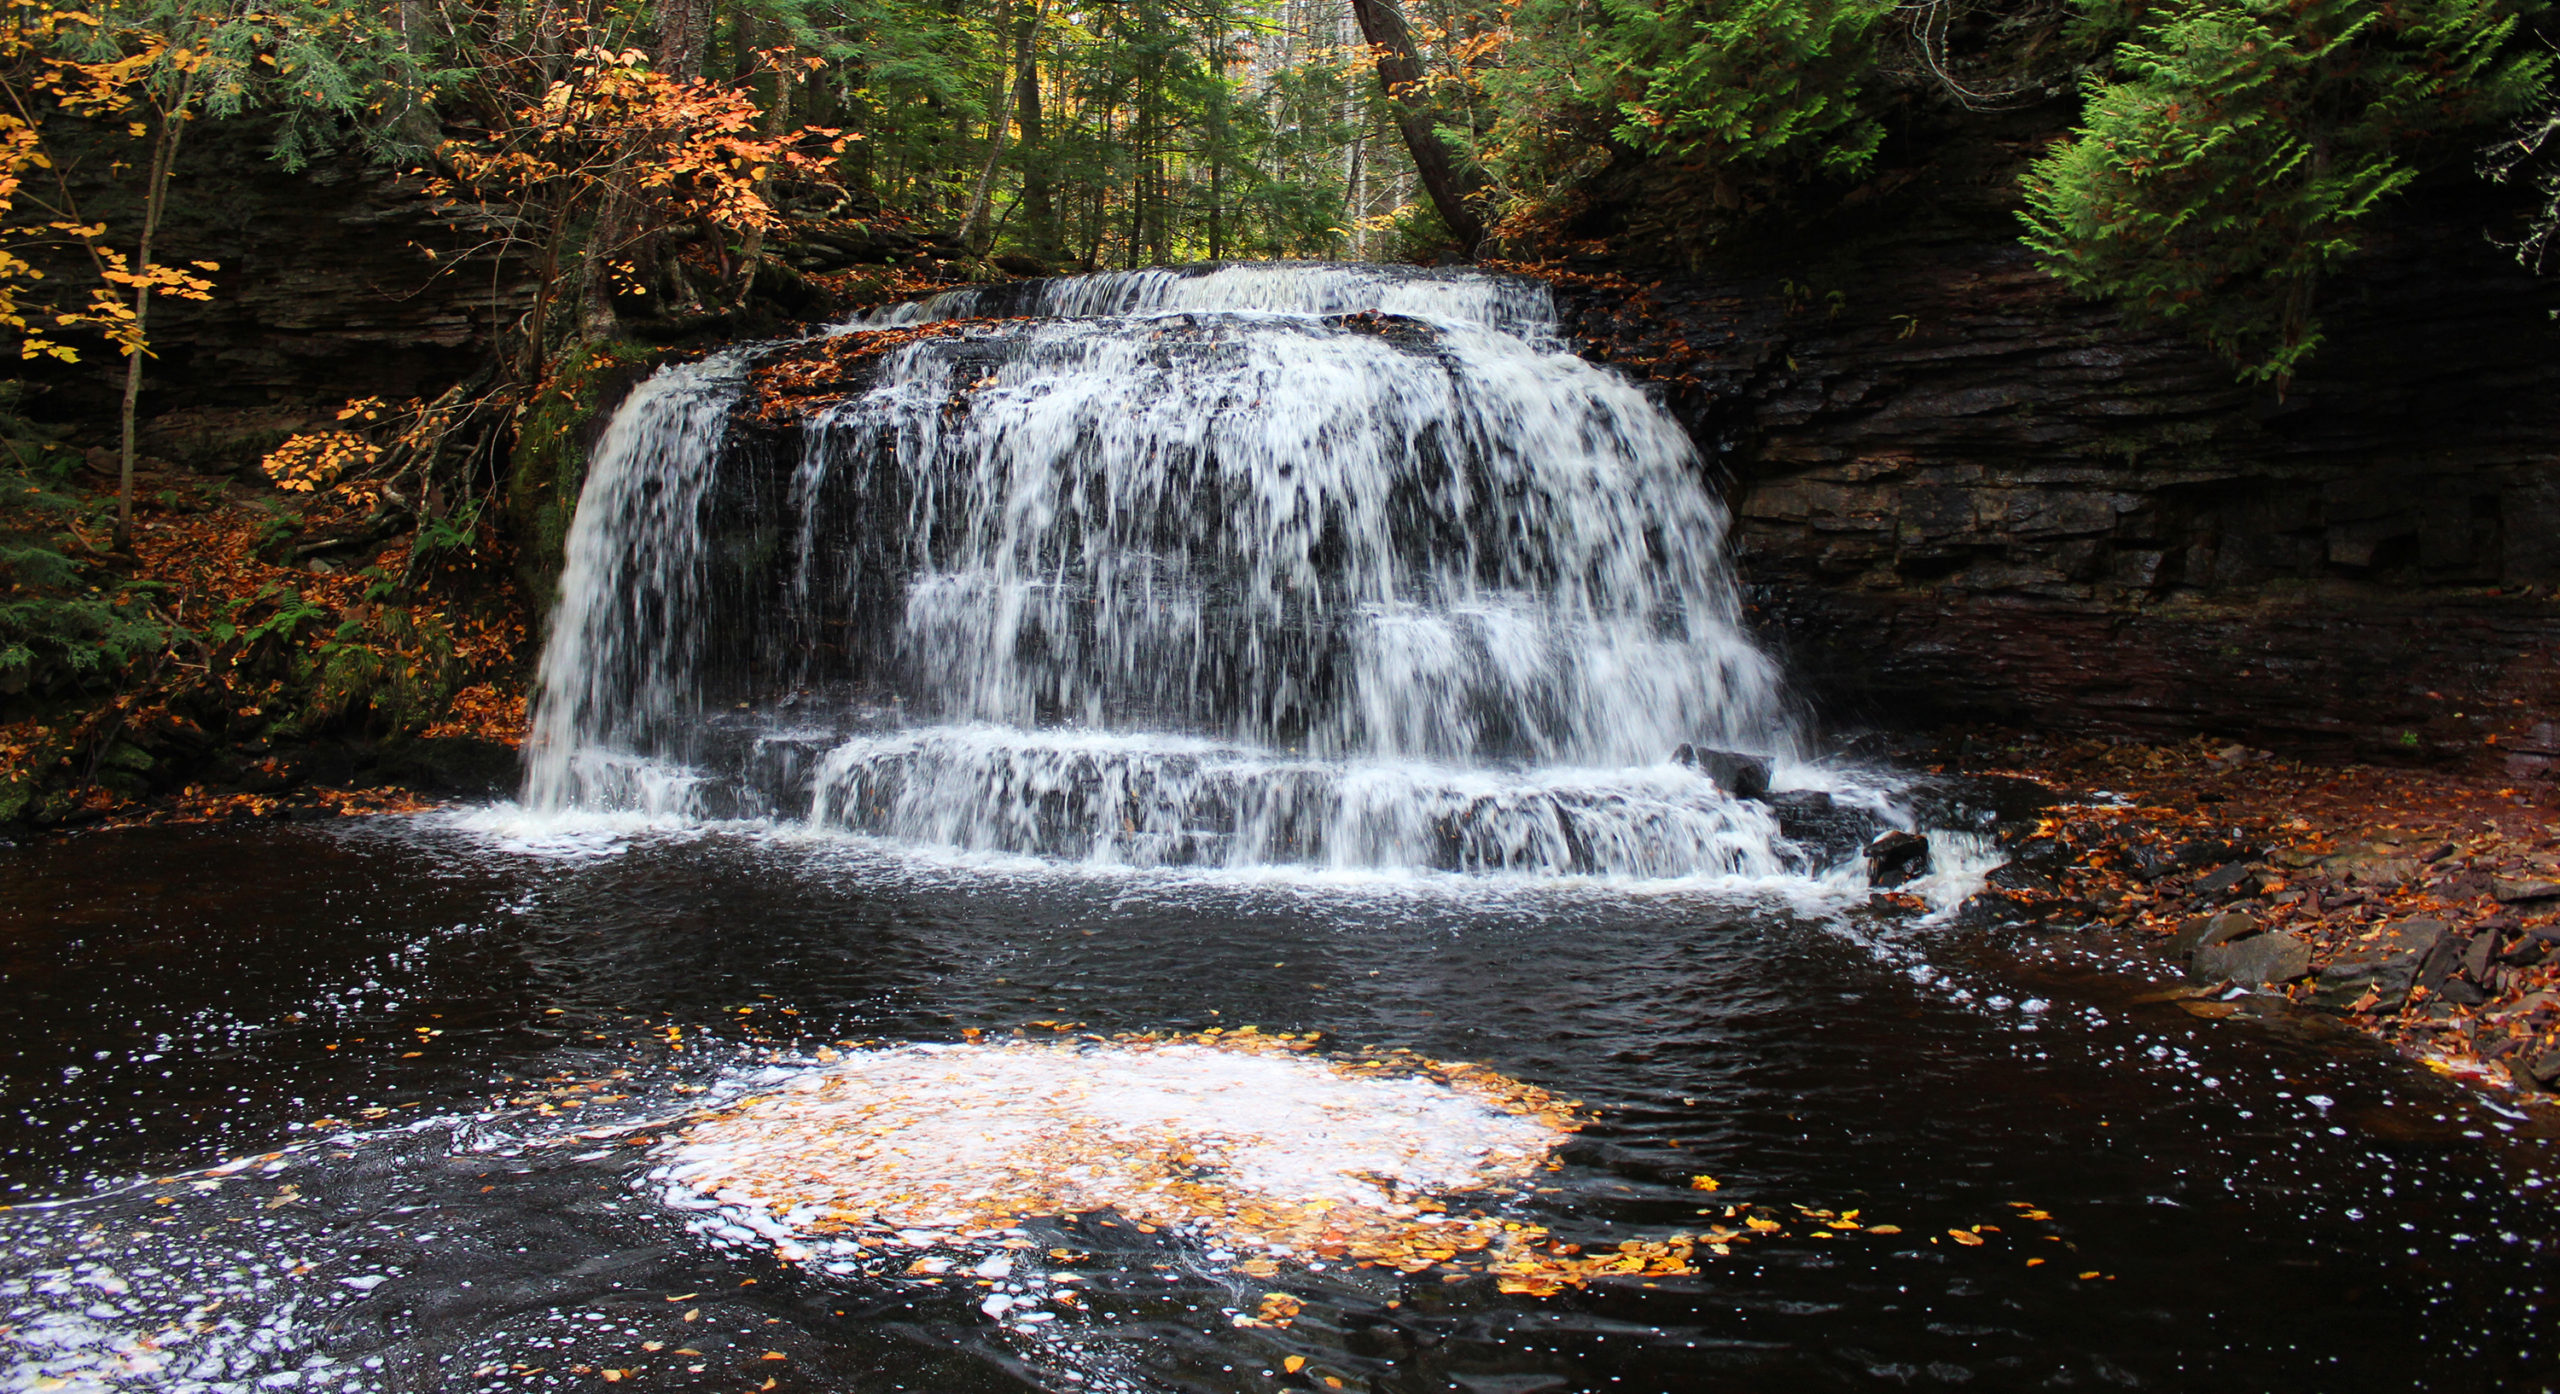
(2386, 968)
(2517, 890)
(1743, 776)
(1827, 830)
(2204, 931)
(2223, 880)
(2442, 961)
(2543, 1069)
(2261, 960)
(2378, 868)
(2211, 852)
(2049, 855)
(2477, 953)
(2025, 879)
(1976, 802)
(1897, 858)
(2462, 992)
(2524, 953)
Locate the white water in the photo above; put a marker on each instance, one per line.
(1507, 303)
(1189, 570)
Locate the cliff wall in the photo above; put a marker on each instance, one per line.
(1962, 494)
(339, 280)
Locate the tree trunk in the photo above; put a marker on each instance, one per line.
(973, 224)
(777, 119)
(1355, 188)
(164, 165)
(538, 319)
(418, 125)
(684, 33)
(1038, 204)
(598, 320)
(1400, 76)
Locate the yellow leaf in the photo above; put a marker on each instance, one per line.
(2088, 1275)
(1965, 1237)
(2033, 1262)
(1294, 1364)
(1702, 1183)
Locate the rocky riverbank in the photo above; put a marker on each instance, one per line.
(2419, 905)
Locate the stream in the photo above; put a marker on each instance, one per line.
(2265, 1210)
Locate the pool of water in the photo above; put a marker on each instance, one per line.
(368, 1106)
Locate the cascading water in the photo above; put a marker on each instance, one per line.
(1289, 565)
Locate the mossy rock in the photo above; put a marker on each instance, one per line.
(562, 423)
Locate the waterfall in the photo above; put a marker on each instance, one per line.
(1336, 566)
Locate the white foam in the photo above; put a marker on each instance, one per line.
(931, 1140)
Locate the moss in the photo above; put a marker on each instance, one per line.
(559, 426)
(126, 768)
(390, 674)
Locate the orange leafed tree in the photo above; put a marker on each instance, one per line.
(628, 151)
(157, 67)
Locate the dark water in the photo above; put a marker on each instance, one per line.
(2265, 1208)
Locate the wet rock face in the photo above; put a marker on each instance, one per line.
(327, 290)
(1961, 494)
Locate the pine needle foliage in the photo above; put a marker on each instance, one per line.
(1749, 98)
(2224, 165)
(1745, 82)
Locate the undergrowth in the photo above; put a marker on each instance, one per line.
(245, 619)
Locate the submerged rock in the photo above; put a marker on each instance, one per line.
(1828, 830)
